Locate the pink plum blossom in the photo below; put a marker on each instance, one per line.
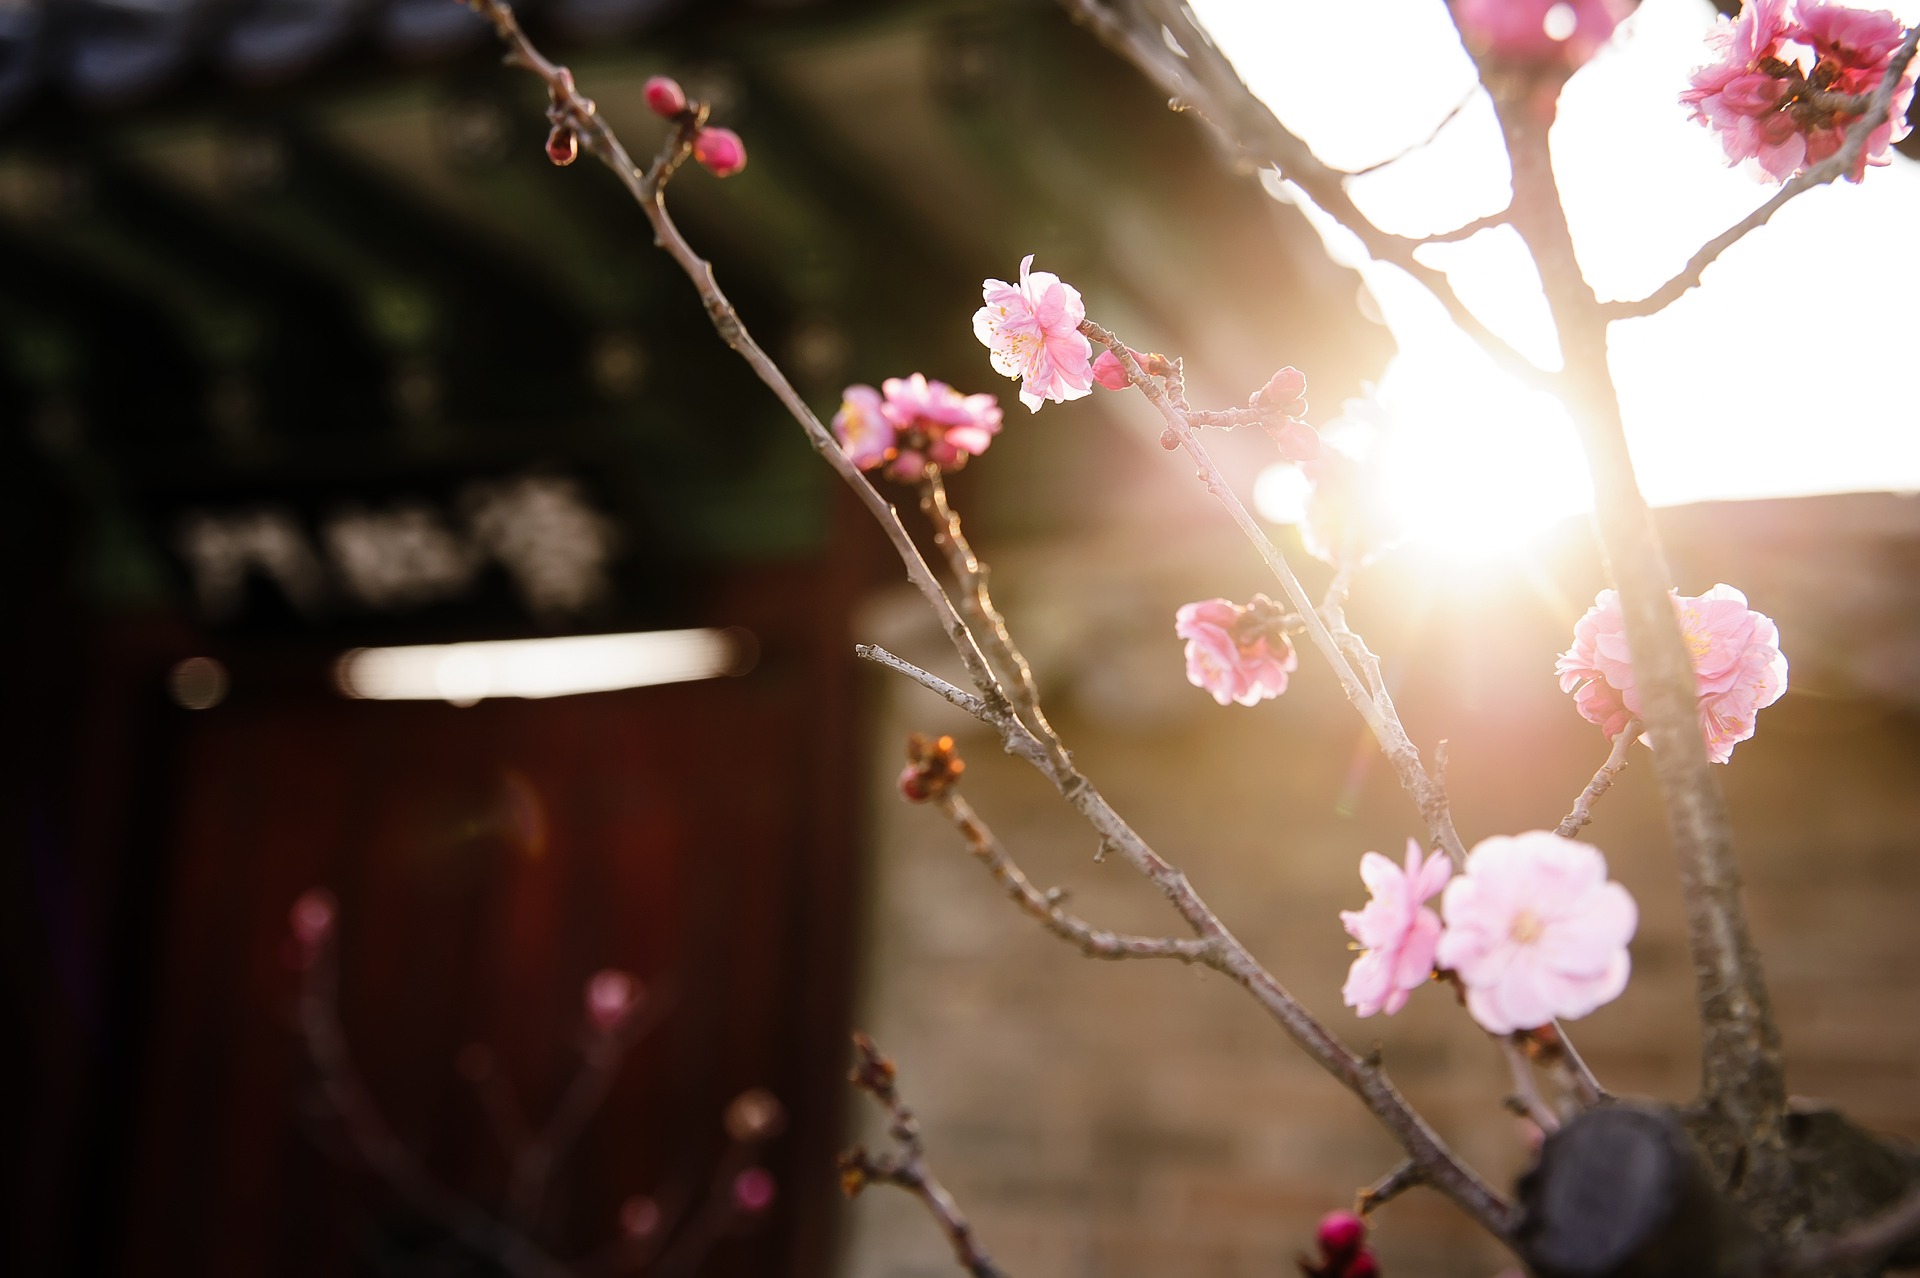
(1538, 30)
(1237, 654)
(865, 431)
(1737, 665)
(1534, 931)
(1397, 929)
(916, 422)
(1032, 331)
(1762, 93)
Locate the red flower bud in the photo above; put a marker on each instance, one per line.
(665, 97)
(753, 1190)
(562, 147)
(720, 151)
(1340, 1235)
(1362, 1266)
(609, 995)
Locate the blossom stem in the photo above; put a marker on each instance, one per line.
(1582, 813)
(1045, 906)
(1526, 1088)
(989, 627)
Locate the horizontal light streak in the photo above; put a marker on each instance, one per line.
(464, 673)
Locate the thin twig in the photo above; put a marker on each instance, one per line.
(1045, 906)
(1582, 813)
(989, 626)
(932, 682)
(906, 1166)
(382, 1151)
(1840, 162)
(1388, 1187)
(1206, 84)
(1526, 1089)
(1452, 115)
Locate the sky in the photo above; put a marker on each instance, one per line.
(1787, 373)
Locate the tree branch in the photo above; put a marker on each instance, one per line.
(1576, 820)
(1206, 83)
(1873, 1240)
(906, 1167)
(1835, 165)
(1045, 906)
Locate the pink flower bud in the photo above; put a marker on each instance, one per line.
(639, 1215)
(1362, 1266)
(753, 1190)
(610, 995)
(1289, 383)
(720, 150)
(312, 918)
(1298, 441)
(562, 147)
(1110, 372)
(665, 97)
(1340, 1235)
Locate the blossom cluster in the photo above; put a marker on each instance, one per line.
(1238, 654)
(913, 422)
(1777, 89)
(1532, 931)
(1738, 668)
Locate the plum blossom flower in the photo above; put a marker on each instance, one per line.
(1032, 331)
(915, 422)
(1737, 665)
(1534, 931)
(1237, 654)
(1539, 30)
(1769, 90)
(862, 426)
(1397, 929)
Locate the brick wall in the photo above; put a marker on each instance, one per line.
(1106, 1120)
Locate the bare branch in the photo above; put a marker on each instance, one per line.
(1388, 1187)
(1526, 1091)
(1453, 114)
(932, 682)
(1582, 814)
(1206, 83)
(906, 1166)
(1840, 162)
(1045, 906)
(383, 1152)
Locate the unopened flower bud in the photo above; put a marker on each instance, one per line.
(1283, 393)
(562, 147)
(1362, 1266)
(753, 1190)
(665, 97)
(1340, 1235)
(720, 151)
(1298, 441)
(1110, 372)
(610, 995)
(932, 768)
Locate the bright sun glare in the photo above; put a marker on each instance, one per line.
(1721, 392)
